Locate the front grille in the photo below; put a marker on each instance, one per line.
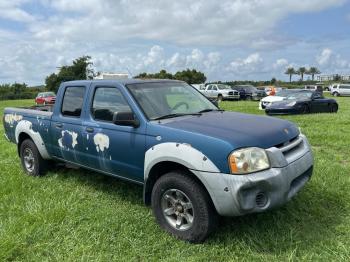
(230, 93)
(292, 147)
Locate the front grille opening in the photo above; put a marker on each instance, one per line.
(261, 199)
(287, 143)
(299, 182)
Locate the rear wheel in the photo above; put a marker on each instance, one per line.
(182, 207)
(32, 162)
(333, 108)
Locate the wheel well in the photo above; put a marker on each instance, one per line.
(161, 169)
(22, 136)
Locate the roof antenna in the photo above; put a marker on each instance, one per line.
(129, 72)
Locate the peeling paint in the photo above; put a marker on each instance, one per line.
(101, 141)
(12, 118)
(68, 138)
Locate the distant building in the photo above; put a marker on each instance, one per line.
(111, 76)
(333, 77)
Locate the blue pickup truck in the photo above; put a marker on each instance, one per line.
(194, 161)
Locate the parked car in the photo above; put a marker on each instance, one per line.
(220, 92)
(303, 102)
(193, 160)
(249, 92)
(340, 90)
(317, 88)
(45, 98)
(279, 96)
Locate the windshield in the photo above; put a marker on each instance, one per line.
(284, 93)
(165, 98)
(224, 87)
(299, 96)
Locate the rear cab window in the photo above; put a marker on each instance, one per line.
(73, 99)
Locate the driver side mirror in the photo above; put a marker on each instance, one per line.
(125, 119)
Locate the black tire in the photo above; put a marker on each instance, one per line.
(335, 94)
(38, 165)
(220, 98)
(305, 109)
(204, 216)
(334, 108)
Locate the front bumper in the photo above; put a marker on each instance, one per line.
(282, 111)
(231, 97)
(235, 195)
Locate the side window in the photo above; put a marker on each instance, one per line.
(107, 101)
(210, 87)
(345, 87)
(73, 101)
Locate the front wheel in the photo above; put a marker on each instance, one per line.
(183, 207)
(32, 162)
(220, 98)
(336, 94)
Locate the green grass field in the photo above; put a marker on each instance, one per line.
(78, 215)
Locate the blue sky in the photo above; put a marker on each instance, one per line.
(227, 39)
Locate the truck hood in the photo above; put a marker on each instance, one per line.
(239, 130)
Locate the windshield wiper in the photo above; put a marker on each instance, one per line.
(210, 110)
(176, 115)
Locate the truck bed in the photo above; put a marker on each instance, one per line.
(39, 118)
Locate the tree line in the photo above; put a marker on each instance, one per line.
(302, 71)
(17, 91)
(190, 76)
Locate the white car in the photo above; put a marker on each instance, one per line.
(340, 90)
(269, 100)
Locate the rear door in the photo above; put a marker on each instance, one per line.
(116, 149)
(344, 90)
(66, 128)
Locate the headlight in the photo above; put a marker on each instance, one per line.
(248, 160)
(291, 103)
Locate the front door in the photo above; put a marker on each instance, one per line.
(112, 148)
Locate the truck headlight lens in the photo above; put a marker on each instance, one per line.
(248, 160)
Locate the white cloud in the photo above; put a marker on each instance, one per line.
(11, 10)
(324, 57)
(248, 65)
(280, 63)
(182, 22)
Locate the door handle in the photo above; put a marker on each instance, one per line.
(59, 125)
(89, 129)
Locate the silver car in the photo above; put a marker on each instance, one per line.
(340, 90)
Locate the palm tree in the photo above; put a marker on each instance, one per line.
(290, 71)
(301, 71)
(313, 71)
